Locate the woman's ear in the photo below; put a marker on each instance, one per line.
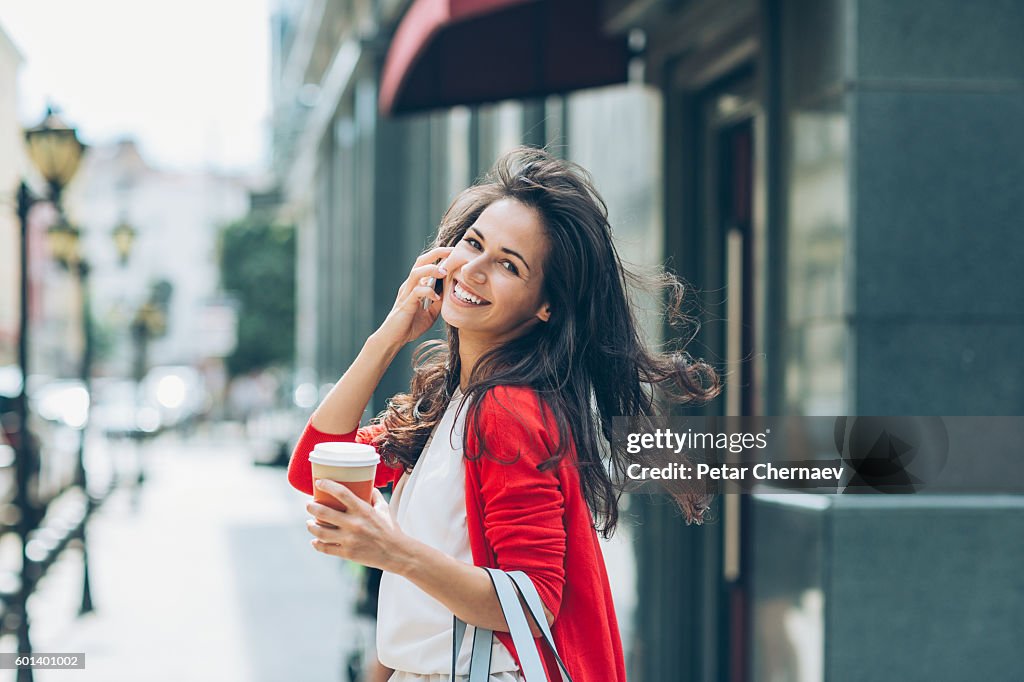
(545, 313)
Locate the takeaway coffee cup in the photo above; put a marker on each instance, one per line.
(351, 464)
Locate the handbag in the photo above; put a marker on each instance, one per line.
(508, 587)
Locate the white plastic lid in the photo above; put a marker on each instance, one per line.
(344, 454)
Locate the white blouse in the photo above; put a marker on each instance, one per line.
(414, 630)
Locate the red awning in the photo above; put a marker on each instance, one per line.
(448, 52)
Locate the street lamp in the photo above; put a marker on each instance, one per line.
(124, 237)
(56, 152)
(54, 148)
(63, 239)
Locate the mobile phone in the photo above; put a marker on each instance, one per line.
(438, 285)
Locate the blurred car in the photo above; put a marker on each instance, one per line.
(64, 401)
(10, 389)
(121, 410)
(273, 433)
(10, 381)
(59, 411)
(61, 401)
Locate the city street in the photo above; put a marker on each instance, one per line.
(693, 215)
(210, 576)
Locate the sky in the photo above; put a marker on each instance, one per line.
(189, 79)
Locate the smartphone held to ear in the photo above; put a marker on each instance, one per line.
(438, 285)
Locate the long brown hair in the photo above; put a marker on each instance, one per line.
(590, 354)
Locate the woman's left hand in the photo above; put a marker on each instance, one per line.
(365, 534)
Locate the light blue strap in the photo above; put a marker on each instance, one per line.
(508, 587)
(480, 662)
(536, 609)
(522, 638)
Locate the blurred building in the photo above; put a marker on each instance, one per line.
(839, 179)
(12, 163)
(367, 190)
(53, 310)
(177, 216)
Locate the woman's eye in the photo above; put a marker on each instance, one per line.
(510, 266)
(472, 242)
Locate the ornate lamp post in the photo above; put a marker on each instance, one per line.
(26, 457)
(56, 152)
(124, 237)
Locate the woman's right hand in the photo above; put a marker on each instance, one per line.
(340, 411)
(407, 320)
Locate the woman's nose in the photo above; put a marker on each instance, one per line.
(473, 273)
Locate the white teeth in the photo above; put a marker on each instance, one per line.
(464, 295)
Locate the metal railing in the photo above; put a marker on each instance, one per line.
(46, 518)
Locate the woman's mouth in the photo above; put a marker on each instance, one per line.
(460, 294)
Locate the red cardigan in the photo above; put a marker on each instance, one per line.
(520, 518)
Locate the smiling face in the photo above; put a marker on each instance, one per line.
(494, 290)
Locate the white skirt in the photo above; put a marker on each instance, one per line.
(400, 676)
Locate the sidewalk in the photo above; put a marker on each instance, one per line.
(211, 578)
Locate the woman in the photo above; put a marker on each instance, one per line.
(497, 447)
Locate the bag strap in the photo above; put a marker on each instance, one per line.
(508, 587)
(535, 607)
(518, 627)
(480, 662)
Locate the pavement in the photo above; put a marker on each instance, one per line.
(206, 574)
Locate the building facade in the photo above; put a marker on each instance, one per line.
(12, 166)
(177, 216)
(837, 178)
(52, 303)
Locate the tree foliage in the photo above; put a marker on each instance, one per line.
(257, 266)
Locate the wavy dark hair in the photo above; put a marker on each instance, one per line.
(588, 363)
